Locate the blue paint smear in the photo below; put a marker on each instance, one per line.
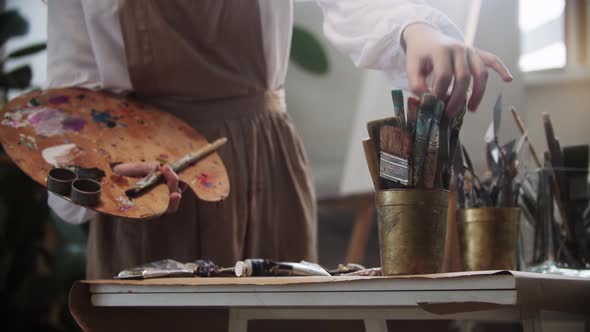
(106, 119)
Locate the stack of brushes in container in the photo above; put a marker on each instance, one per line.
(498, 186)
(414, 148)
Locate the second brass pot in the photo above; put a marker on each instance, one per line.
(488, 238)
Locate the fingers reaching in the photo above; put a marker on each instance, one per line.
(443, 73)
(418, 70)
(480, 78)
(462, 78)
(496, 64)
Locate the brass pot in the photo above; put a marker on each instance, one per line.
(488, 238)
(412, 226)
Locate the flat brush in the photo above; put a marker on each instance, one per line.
(395, 155)
(374, 128)
(155, 176)
(372, 161)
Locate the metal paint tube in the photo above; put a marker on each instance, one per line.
(266, 267)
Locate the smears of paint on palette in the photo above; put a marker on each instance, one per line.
(61, 154)
(106, 119)
(28, 141)
(125, 203)
(46, 121)
(205, 180)
(57, 100)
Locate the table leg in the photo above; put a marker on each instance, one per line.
(375, 325)
(531, 320)
(236, 324)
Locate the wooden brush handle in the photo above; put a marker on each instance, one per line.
(372, 161)
(526, 137)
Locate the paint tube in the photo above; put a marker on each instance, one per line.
(346, 268)
(266, 267)
(372, 272)
(168, 268)
(158, 269)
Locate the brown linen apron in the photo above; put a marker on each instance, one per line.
(203, 61)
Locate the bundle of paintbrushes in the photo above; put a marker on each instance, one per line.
(563, 179)
(498, 186)
(413, 149)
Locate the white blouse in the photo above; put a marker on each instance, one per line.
(86, 48)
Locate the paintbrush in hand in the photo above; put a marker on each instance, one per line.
(397, 97)
(155, 176)
(423, 124)
(430, 162)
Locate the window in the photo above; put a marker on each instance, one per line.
(542, 34)
(553, 35)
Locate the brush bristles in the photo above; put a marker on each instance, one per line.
(396, 141)
(429, 101)
(373, 127)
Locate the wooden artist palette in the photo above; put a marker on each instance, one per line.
(90, 131)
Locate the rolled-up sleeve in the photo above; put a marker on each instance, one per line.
(369, 31)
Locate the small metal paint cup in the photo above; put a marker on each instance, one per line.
(412, 228)
(86, 192)
(59, 180)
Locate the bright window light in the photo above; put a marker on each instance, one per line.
(549, 57)
(542, 34)
(534, 13)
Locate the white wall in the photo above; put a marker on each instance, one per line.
(322, 107)
(568, 104)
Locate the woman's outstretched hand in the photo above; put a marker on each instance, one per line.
(429, 51)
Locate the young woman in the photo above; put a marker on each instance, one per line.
(220, 66)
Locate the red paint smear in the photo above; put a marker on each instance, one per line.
(204, 180)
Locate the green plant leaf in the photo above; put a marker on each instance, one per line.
(19, 78)
(28, 50)
(307, 52)
(12, 24)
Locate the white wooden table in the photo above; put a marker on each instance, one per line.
(535, 299)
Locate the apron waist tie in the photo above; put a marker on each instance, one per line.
(192, 110)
